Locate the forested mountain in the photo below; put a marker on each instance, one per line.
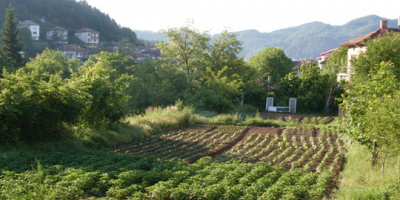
(69, 14)
(309, 40)
(302, 42)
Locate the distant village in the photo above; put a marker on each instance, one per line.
(89, 37)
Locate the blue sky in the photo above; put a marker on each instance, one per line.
(235, 15)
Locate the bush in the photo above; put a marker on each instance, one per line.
(34, 106)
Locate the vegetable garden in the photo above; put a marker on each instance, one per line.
(201, 162)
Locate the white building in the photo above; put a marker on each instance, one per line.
(58, 33)
(357, 46)
(88, 36)
(74, 51)
(33, 27)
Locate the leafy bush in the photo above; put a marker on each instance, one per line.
(34, 105)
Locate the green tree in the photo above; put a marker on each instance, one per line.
(271, 62)
(35, 105)
(156, 83)
(186, 48)
(107, 77)
(11, 41)
(371, 110)
(310, 87)
(53, 62)
(382, 49)
(222, 78)
(337, 62)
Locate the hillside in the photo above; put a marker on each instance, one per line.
(69, 14)
(309, 40)
(306, 41)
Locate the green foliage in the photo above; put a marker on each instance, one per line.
(11, 41)
(186, 47)
(53, 62)
(80, 173)
(34, 105)
(39, 101)
(271, 62)
(364, 181)
(371, 109)
(156, 84)
(382, 49)
(107, 77)
(157, 119)
(311, 87)
(215, 76)
(337, 62)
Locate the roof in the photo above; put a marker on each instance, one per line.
(71, 48)
(28, 23)
(84, 30)
(58, 28)
(327, 52)
(359, 41)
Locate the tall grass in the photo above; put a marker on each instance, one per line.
(360, 180)
(153, 121)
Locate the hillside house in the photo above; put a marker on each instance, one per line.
(74, 51)
(357, 46)
(33, 27)
(324, 57)
(58, 35)
(88, 36)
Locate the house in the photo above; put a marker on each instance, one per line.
(33, 27)
(74, 51)
(88, 36)
(58, 35)
(357, 46)
(324, 57)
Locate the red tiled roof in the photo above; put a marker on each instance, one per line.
(359, 41)
(326, 52)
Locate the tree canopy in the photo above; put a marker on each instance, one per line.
(272, 61)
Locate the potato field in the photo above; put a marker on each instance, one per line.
(200, 162)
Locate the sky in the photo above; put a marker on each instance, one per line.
(236, 15)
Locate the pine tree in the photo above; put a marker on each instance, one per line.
(11, 41)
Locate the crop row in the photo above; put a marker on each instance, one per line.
(185, 144)
(124, 176)
(325, 151)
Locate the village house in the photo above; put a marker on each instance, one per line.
(58, 35)
(33, 27)
(88, 36)
(324, 57)
(74, 51)
(357, 46)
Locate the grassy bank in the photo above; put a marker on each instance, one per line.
(157, 120)
(360, 180)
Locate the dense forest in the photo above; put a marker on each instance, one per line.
(69, 14)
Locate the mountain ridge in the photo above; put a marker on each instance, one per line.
(301, 42)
